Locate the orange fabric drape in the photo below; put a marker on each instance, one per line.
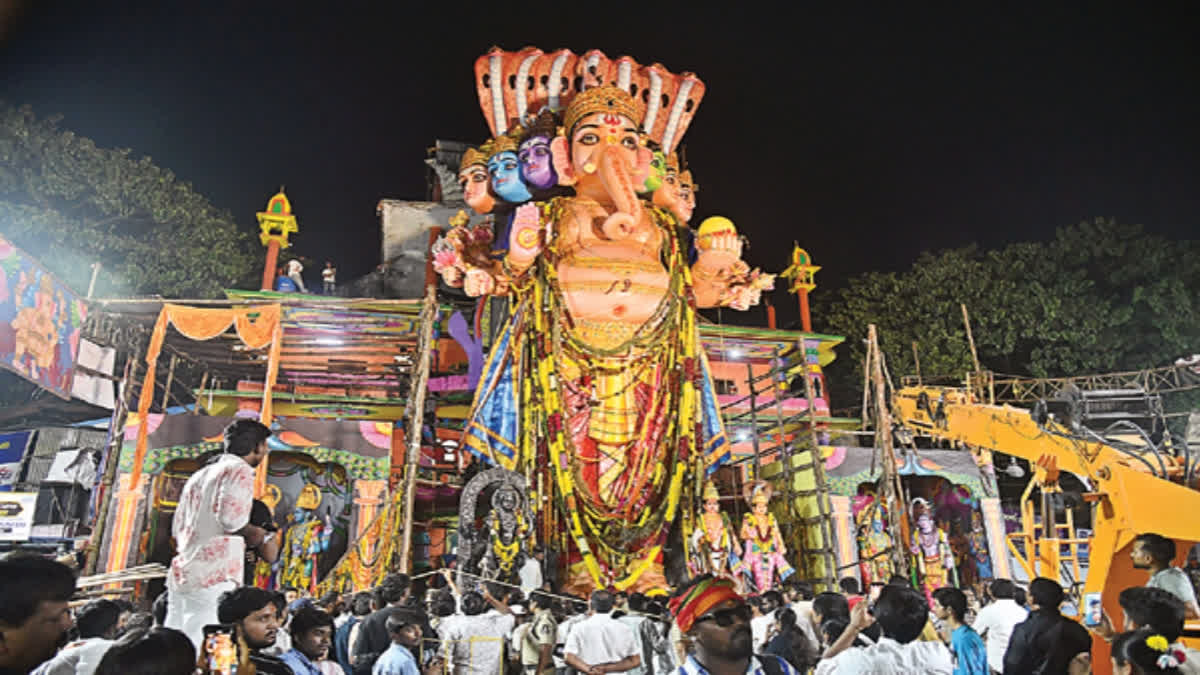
(257, 326)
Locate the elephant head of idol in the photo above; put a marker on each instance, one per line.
(602, 155)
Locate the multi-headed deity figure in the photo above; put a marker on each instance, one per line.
(763, 547)
(307, 538)
(716, 545)
(931, 548)
(597, 383)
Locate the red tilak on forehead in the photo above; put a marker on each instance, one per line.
(614, 120)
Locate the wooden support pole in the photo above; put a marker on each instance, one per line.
(824, 508)
(753, 423)
(199, 393)
(112, 458)
(166, 401)
(893, 493)
(866, 385)
(970, 338)
(417, 391)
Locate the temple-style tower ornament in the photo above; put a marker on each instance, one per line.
(801, 274)
(276, 224)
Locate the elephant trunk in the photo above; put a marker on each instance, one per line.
(618, 181)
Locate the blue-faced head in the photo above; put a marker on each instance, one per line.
(504, 170)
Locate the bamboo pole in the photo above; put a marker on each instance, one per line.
(199, 393)
(170, 380)
(970, 338)
(417, 393)
(866, 397)
(112, 459)
(753, 423)
(892, 490)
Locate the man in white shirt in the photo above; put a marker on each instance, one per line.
(531, 573)
(901, 612)
(799, 594)
(634, 617)
(995, 622)
(602, 641)
(577, 612)
(97, 624)
(1155, 553)
(212, 528)
(474, 640)
(761, 623)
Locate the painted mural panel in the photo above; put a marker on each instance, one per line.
(40, 322)
(361, 447)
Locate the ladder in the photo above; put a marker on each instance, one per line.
(786, 452)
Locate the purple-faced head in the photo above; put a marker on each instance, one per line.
(536, 167)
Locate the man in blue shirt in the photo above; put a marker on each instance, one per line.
(970, 656)
(312, 635)
(404, 627)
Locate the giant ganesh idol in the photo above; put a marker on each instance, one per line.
(597, 389)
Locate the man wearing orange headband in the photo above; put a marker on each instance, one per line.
(710, 612)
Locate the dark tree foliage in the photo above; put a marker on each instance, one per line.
(71, 203)
(1099, 297)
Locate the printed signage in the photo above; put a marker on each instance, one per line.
(16, 515)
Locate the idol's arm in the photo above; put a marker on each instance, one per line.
(715, 270)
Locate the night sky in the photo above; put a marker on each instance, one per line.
(868, 135)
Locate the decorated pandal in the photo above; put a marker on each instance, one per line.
(953, 521)
(596, 390)
(595, 424)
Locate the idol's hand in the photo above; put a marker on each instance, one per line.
(478, 282)
(721, 251)
(453, 277)
(525, 241)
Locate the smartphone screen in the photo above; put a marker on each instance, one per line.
(221, 649)
(1092, 609)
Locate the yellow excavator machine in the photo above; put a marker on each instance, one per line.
(1132, 488)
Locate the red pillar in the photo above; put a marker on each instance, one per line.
(268, 280)
(770, 315)
(805, 319)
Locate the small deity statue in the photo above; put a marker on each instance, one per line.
(718, 549)
(932, 549)
(979, 548)
(508, 535)
(763, 548)
(874, 544)
(265, 572)
(307, 538)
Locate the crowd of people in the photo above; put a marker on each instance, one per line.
(208, 620)
(407, 627)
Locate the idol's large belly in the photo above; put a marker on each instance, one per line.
(603, 286)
